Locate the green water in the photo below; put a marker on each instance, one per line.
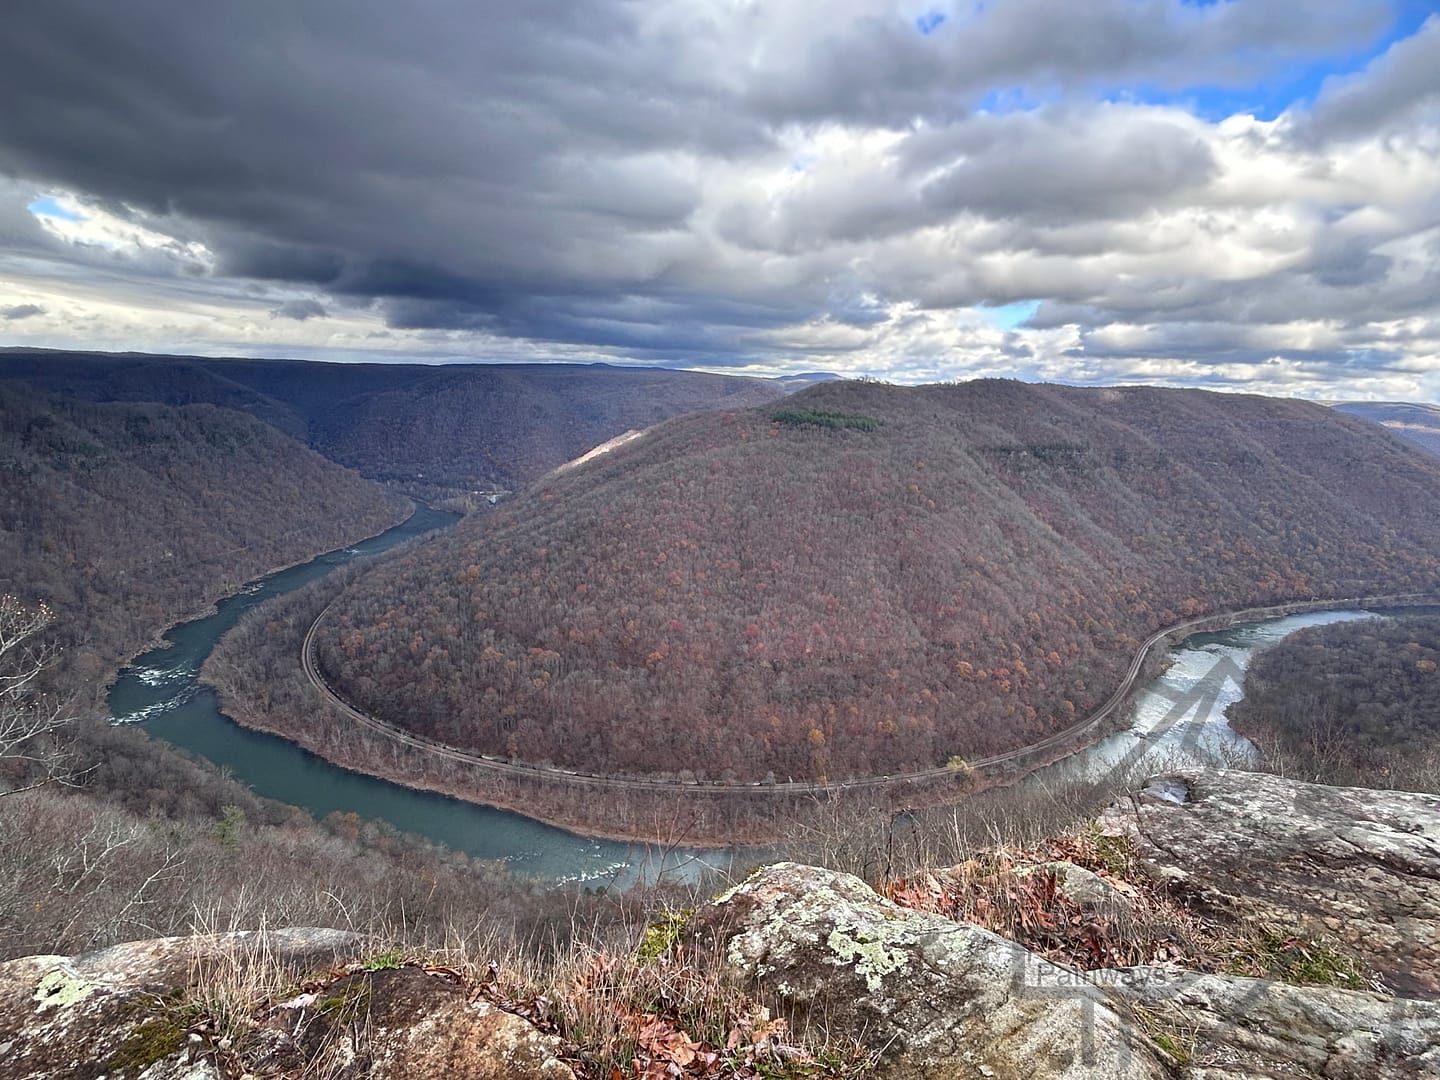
(160, 691)
(1177, 720)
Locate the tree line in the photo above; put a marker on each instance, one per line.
(1351, 702)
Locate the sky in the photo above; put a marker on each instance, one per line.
(1238, 194)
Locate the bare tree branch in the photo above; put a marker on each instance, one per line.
(29, 719)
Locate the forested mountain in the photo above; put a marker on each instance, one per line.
(868, 578)
(431, 429)
(1418, 424)
(1359, 696)
(125, 517)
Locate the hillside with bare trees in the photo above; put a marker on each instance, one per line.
(123, 518)
(432, 430)
(866, 578)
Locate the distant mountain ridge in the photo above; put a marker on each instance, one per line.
(125, 517)
(866, 578)
(1414, 422)
(431, 429)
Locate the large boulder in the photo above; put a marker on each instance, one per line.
(936, 998)
(113, 1012)
(403, 1023)
(148, 1009)
(1358, 865)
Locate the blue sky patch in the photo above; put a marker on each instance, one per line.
(46, 206)
(928, 23)
(1285, 85)
(1009, 316)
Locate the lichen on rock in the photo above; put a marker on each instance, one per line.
(1362, 866)
(941, 998)
(60, 988)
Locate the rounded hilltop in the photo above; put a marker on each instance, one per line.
(866, 579)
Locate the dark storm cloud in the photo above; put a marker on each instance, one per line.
(300, 310)
(644, 326)
(21, 311)
(544, 170)
(375, 149)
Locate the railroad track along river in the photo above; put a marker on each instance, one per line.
(1072, 738)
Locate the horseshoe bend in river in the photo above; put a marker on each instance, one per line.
(160, 690)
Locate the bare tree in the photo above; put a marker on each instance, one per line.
(30, 720)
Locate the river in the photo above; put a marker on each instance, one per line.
(160, 690)
(1177, 719)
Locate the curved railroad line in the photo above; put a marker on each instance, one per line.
(501, 767)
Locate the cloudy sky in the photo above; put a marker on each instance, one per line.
(1239, 194)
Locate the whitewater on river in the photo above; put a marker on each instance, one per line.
(1177, 718)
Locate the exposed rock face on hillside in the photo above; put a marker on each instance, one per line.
(1358, 864)
(129, 1011)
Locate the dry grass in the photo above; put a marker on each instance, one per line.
(1119, 917)
(616, 996)
(877, 845)
(630, 996)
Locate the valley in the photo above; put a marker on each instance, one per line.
(978, 476)
(453, 431)
(125, 517)
(644, 541)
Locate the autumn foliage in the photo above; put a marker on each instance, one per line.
(739, 596)
(126, 517)
(1358, 698)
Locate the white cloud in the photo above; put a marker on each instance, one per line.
(737, 185)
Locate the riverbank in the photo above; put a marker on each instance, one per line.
(404, 510)
(647, 810)
(161, 695)
(105, 660)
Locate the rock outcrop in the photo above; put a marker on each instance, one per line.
(148, 1008)
(938, 998)
(944, 999)
(104, 1013)
(1233, 1028)
(402, 1023)
(932, 997)
(1359, 865)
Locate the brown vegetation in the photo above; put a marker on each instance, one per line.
(872, 579)
(1352, 703)
(434, 431)
(126, 518)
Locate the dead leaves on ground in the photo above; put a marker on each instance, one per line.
(756, 1046)
(1018, 894)
(664, 1021)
